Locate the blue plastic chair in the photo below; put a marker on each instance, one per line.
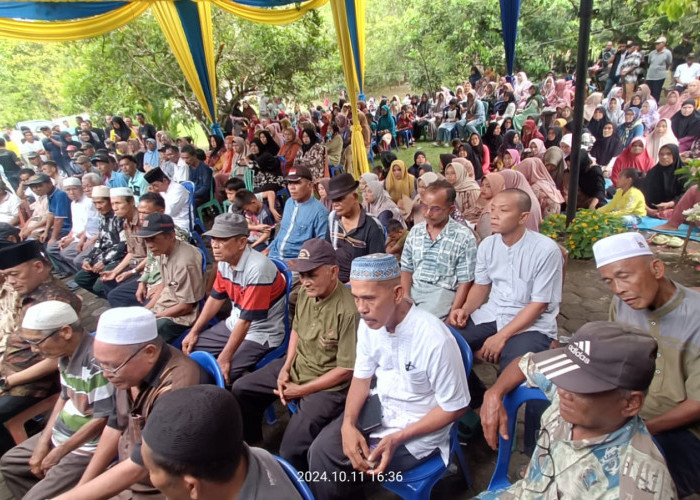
(417, 483)
(196, 223)
(208, 362)
(512, 401)
(293, 475)
(338, 169)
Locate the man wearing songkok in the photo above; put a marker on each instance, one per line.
(54, 460)
(351, 230)
(109, 248)
(439, 255)
(177, 198)
(319, 363)
(201, 453)
(26, 377)
(647, 299)
(256, 289)
(421, 385)
(593, 442)
(175, 305)
(142, 368)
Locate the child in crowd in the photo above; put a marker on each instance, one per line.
(379, 172)
(260, 220)
(396, 238)
(628, 202)
(234, 184)
(404, 122)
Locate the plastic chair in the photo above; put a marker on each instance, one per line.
(417, 483)
(336, 170)
(512, 402)
(15, 425)
(212, 203)
(370, 155)
(293, 475)
(177, 343)
(225, 205)
(208, 362)
(189, 185)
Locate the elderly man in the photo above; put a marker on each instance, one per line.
(439, 256)
(135, 179)
(351, 230)
(647, 299)
(175, 303)
(25, 376)
(319, 363)
(421, 385)
(112, 178)
(53, 461)
(177, 198)
(59, 222)
(593, 443)
(256, 290)
(142, 368)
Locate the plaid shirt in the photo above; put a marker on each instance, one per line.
(111, 241)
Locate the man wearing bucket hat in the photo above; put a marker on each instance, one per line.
(351, 230)
(647, 299)
(593, 442)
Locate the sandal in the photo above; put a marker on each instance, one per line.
(675, 242)
(660, 239)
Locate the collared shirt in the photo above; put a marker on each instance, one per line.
(659, 62)
(300, 222)
(528, 271)
(10, 312)
(182, 277)
(134, 245)
(59, 206)
(257, 291)
(327, 330)
(85, 217)
(9, 207)
(110, 245)
(138, 185)
(418, 368)
(201, 175)
(447, 261)
(686, 73)
(116, 179)
(176, 172)
(177, 205)
(367, 238)
(676, 328)
(18, 353)
(625, 464)
(151, 271)
(265, 478)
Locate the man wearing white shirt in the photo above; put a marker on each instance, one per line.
(688, 71)
(174, 166)
(9, 205)
(31, 145)
(421, 387)
(177, 198)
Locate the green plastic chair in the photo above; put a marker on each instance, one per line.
(213, 202)
(225, 205)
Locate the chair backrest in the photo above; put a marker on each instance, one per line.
(189, 185)
(280, 350)
(208, 362)
(293, 476)
(464, 349)
(205, 259)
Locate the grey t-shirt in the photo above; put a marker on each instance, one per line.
(266, 479)
(659, 64)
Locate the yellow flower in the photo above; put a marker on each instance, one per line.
(594, 239)
(573, 246)
(584, 224)
(596, 227)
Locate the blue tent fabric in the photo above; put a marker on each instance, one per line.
(510, 12)
(352, 29)
(56, 11)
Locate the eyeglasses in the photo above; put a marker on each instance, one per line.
(114, 371)
(425, 208)
(36, 343)
(545, 463)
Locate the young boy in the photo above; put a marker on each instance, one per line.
(396, 238)
(260, 219)
(234, 184)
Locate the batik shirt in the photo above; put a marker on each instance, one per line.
(111, 242)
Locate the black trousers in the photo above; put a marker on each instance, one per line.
(122, 294)
(682, 451)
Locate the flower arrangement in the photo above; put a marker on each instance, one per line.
(588, 227)
(691, 172)
(693, 213)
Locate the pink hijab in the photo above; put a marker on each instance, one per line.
(276, 133)
(541, 148)
(512, 179)
(668, 110)
(515, 154)
(536, 173)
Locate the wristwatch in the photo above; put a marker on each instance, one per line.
(4, 386)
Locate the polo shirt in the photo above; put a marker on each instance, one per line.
(367, 238)
(177, 205)
(528, 271)
(257, 291)
(53, 150)
(138, 185)
(9, 207)
(59, 206)
(300, 222)
(116, 179)
(87, 392)
(182, 277)
(418, 368)
(327, 330)
(676, 328)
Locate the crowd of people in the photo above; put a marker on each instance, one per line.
(385, 268)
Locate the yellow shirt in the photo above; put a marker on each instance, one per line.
(12, 147)
(630, 203)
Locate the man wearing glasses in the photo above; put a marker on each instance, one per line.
(142, 368)
(53, 461)
(439, 256)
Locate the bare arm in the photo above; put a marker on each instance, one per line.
(682, 415)
(110, 483)
(406, 281)
(211, 307)
(38, 371)
(494, 419)
(354, 443)
(107, 449)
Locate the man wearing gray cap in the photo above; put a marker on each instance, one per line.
(593, 442)
(647, 299)
(257, 291)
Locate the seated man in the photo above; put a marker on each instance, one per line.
(177, 198)
(593, 443)
(520, 272)
(319, 362)
(59, 220)
(53, 461)
(647, 299)
(112, 178)
(256, 290)
(174, 167)
(421, 385)
(135, 179)
(200, 174)
(25, 376)
(142, 368)
(439, 255)
(351, 230)
(175, 304)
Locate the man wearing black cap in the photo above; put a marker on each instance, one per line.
(59, 208)
(25, 376)
(177, 198)
(351, 230)
(593, 443)
(319, 363)
(111, 177)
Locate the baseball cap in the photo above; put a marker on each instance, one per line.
(49, 315)
(619, 247)
(601, 356)
(229, 225)
(314, 253)
(661, 39)
(154, 224)
(38, 179)
(103, 158)
(298, 173)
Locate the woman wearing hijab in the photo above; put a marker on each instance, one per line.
(399, 183)
(521, 85)
(511, 141)
(385, 124)
(686, 124)
(512, 179)
(555, 162)
(460, 173)
(289, 150)
(419, 159)
(267, 175)
(480, 156)
(662, 188)
(364, 179)
(636, 101)
(660, 136)
(506, 108)
(491, 185)
(376, 200)
(493, 139)
(268, 142)
(597, 122)
(537, 148)
(632, 128)
(562, 93)
(530, 132)
(239, 161)
(275, 131)
(311, 155)
(649, 115)
(542, 185)
(607, 147)
(554, 136)
(120, 130)
(533, 107)
(475, 76)
(634, 156)
(614, 112)
(216, 152)
(591, 183)
(511, 158)
(151, 156)
(548, 90)
(450, 118)
(672, 106)
(592, 102)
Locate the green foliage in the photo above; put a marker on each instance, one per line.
(587, 227)
(690, 172)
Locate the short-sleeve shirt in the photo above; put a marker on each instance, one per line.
(447, 261)
(367, 238)
(134, 245)
(257, 291)
(300, 222)
(528, 271)
(9, 207)
(659, 62)
(138, 185)
(676, 328)
(110, 245)
(182, 280)
(85, 217)
(116, 179)
(327, 331)
(59, 206)
(418, 368)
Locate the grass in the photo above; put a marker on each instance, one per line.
(432, 153)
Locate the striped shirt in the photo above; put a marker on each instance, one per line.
(87, 392)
